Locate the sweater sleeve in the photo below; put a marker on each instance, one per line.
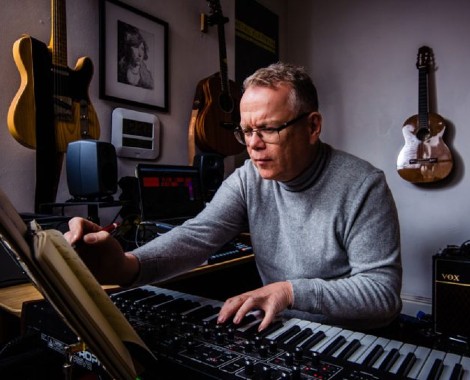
(189, 245)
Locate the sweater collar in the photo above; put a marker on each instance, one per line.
(307, 178)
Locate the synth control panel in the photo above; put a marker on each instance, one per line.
(181, 329)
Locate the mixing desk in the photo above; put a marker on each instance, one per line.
(181, 329)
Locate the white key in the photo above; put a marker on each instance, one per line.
(404, 350)
(366, 342)
(450, 360)
(390, 345)
(433, 356)
(465, 361)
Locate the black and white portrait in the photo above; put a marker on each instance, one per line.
(133, 55)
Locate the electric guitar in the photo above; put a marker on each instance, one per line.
(425, 157)
(52, 106)
(74, 117)
(216, 102)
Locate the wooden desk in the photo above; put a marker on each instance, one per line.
(13, 297)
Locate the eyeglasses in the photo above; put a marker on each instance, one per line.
(269, 135)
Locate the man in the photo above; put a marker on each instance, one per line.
(323, 223)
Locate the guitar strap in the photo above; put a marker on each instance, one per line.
(48, 160)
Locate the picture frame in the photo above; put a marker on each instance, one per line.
(133, 56)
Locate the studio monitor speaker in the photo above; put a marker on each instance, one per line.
(91, 169)
(211, 169)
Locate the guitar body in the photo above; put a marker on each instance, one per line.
(425, 157)
(21, 117)
(74, 116)
(217, 115)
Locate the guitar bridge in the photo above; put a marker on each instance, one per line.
(430, 160)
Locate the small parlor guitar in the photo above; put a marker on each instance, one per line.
(215, 106)
(425, 157)
(52, 106)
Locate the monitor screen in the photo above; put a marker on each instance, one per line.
(169, 191)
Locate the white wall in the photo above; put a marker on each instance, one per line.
(362, 56)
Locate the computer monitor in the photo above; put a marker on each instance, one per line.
(169, 192)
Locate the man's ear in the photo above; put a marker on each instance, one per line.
(315, 123)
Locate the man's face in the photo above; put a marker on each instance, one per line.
(293, 152)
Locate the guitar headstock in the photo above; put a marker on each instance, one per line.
(216, 16)
(425, 58)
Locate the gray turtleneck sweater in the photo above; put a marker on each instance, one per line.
(333, 233)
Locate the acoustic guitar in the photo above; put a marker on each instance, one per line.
(73, 114)
(52, 106)
(216, 102)
(425, 157)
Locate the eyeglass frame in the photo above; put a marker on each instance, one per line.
(239, 129)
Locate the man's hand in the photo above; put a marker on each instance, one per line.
(102, 253)
(272, 299)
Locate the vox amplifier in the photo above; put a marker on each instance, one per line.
(451, 291)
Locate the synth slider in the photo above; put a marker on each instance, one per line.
(181, 330)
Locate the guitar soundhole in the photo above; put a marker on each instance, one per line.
(423, 134)
(226, 103)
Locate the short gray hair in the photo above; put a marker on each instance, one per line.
(304, 95)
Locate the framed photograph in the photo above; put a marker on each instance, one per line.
(133, 56)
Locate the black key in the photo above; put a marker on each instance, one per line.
(270, 329)
(289, 333)
(347, 351)
(373, 356)
(334, 346)
(252, 329)
(313, 340)
(300, 337)
(202, 312)
(436, 370)
(457, 372)
(406, 365)
(391, 358)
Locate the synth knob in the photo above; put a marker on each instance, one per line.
(231, 333)
(289, 358)
(315, 358)
(295, 374)
(248, 346)
(298, 353)
(263, 351)
(272, 346)
(249, 368)
(266, 372)
(219, 337)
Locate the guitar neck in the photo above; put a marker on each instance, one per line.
(58, 42)
(423, 98)
(223, 59)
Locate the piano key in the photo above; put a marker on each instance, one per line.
(291, 322)
(373, 352)
(433, 366)
(465, 362)
(373, 355)
(366, 342)
(333, 345)
(406, 360)
(421, 354)
(392, 345)
(347, 351)
(406, 365)
(312, 341)
(330, 333)
(449, 364)
(389, 360)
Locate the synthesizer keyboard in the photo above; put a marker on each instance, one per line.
(181, 329)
